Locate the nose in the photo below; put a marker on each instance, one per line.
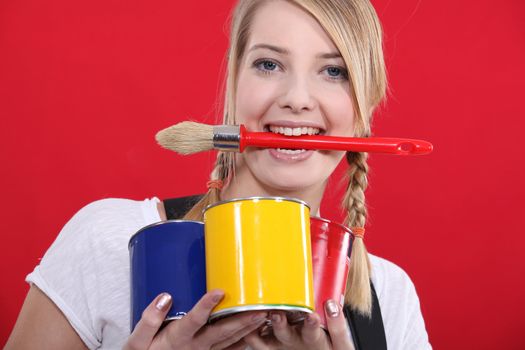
(297, 96)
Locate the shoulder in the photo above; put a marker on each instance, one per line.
(386, 274)
(88, 263)
(400, 308)
(395, 290)
(114, 209)
(110, 215)
(101, 226)
(99, 232)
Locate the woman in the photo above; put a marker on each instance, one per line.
(295, 67)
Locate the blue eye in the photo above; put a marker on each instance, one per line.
(336, 73)
(266, 66)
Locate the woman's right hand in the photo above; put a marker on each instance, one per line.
(192, 331)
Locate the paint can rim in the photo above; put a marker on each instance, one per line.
(257, 198)
(159, 223)
(345, 228)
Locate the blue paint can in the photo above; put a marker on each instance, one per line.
(167, 257)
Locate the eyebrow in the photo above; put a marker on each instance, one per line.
(330, 55)
(284, 51)
(270, 47)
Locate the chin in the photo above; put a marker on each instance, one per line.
(288, 187)
(287, 182)
(280, 178)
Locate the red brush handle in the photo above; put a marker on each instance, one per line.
(334, 143)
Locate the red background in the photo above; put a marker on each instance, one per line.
(84, 86)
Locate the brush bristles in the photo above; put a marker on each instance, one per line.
(186, 137)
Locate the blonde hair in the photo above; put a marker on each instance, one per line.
(355, 30)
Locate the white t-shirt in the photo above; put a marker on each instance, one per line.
(86, 274)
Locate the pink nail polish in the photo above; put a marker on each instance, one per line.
(331, 308)
(216, 298)
(163, 302)
(310, 320)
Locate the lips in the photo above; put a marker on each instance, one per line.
(289, 155)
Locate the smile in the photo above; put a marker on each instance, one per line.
(296, 131)
(292, 130)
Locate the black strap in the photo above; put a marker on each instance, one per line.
(176, 208)
(367, 333)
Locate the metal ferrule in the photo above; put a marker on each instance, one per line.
(226, 137)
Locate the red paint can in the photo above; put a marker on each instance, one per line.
(331, 243)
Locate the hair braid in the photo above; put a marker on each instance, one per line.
(223, 171)
(358, 293)
(354, 200)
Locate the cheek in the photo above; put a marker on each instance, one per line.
(254, 98)
(339, 110)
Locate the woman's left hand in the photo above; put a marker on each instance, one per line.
(308, 336)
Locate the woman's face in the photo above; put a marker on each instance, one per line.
(292, 80)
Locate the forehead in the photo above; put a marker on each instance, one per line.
(284, 24)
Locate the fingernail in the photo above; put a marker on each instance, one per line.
(310, 320)
(331, 308)
(276, 318)
(163, 302)
(217, 297)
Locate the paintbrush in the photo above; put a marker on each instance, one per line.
(191, 137)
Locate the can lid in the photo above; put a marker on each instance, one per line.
(330, 222)
(158, 223)
(258, 198)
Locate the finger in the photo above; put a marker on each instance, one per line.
(149, 324)
(256, 322)
(311, 331)
(197, 317)
(282, 330)
(256, 342)
(227, 329)
(240, 345)
(337, 326)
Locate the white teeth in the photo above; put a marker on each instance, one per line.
(290, 151)
(294, 131)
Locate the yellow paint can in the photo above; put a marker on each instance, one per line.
(258, 251)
